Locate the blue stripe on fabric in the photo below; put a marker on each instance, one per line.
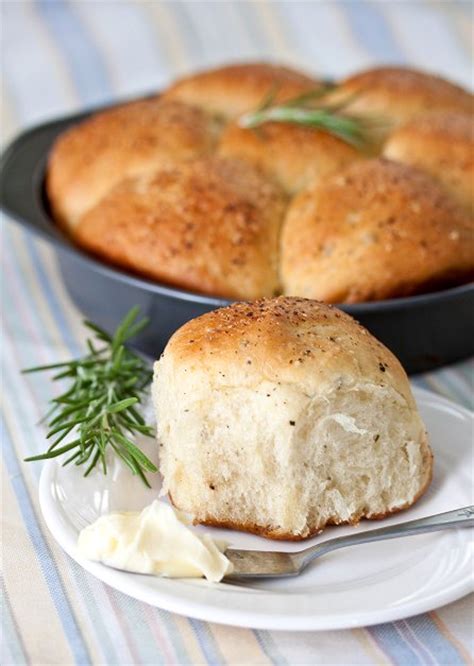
(32, 80)
(217, 48)
(195, 49)
(268, 647)
(461, 385)
(258, 36)
(11, 639)
(397, 649)
(373, 32)
(144, 645)
(176, 639)
(64, 329)
(207, 643)
(81, 577)
(108, 644)
(437, 28)
(112, 25)
(43, 553)
(54, 305)
(249, 47)
(444, 386)
(84, 60)
(440, 382)
(421, 382)
(465, 5)
(317, 47)
(427, 632)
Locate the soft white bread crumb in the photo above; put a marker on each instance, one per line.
(284, 415)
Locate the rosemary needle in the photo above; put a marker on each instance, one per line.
(99, 409)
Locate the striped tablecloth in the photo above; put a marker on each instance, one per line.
(61, 56)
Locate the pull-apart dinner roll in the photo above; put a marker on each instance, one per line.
(442, 144)
(174, 189)
(282, 416)
(234, 89)
(127, 140)
(210, 225)
(376, 230)
(396, 94)
(292, 154)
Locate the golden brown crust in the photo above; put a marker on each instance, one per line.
(209, 225)
(293, 155)
(377, 230)
(277, 535)
(234, 89)
(398, 94)
(442, 144)
(127, 140)
(284, 340)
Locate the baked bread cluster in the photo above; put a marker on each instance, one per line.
(173, 188)
(284, 415)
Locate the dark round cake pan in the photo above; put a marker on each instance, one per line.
(424, 331)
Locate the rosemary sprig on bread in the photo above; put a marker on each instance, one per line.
(318, 110)
(98, 411)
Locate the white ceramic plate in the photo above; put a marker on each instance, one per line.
(363, 585)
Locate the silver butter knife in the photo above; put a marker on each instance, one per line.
(274, 564)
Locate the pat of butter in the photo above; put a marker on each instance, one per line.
(156, 541)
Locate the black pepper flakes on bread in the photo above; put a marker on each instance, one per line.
(442, 144)
(376, 230)
(210, 225)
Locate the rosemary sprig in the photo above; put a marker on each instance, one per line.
(99, 409)
(311, 110)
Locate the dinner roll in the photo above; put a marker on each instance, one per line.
(234, 89)
(292, 154)
(396, 94)
(127, 140)
(376, 230)
(282, 416)
(441, 143)
(209, 225)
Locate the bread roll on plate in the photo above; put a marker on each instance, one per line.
(282, 416)
(292, 154)
(442, 144)
(209, 225)
(127, 140)
(234, 89)
(374, 231)
(396, 94)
